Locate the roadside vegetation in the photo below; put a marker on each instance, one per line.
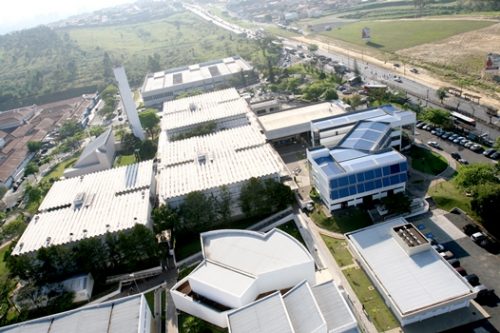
(339, 250)
(476, 190)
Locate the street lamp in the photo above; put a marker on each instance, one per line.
(132, 275)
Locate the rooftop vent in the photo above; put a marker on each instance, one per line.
(202, 158)
(192, 107)
(78, 201)
(410, 239)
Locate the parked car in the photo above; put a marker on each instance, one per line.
(438, 248)
(434, 144)
(457, 140)
(456, 156)
(414, 70)
(489, 151)
(460, 270)
(484, 295)
(463, 161)
(477, 237)
(476, 148)
(495, 156)
(447, 254)
(397, 65)
(422, 124)
(472, 279)
(454, 262)
(470, 229)
(452, 137)
(468, 144)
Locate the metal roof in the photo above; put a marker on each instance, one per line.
(303, 309)
(267, 315)
(414, 282)
(90, 206)
(333, 306)
(224, 158)
(365, 136)
(194, 73)
(118, 316)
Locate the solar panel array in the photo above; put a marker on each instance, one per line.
(366, 136)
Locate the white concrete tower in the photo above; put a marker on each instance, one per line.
(128, 102)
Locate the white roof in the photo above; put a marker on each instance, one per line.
(203, 101)
(253, 252)
(222, 158)
(233, 282)
(333, 306)
(267, 315)
(118, 316)
(184, 117)
(194, 73)
(413, 282)
(90, 206)
(297, 120)
(303, 310)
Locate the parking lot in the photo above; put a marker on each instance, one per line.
(450, 147)
(294, 156)
(446, 230)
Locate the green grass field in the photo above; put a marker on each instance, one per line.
(338, 248)
(448, 196)
(379, 314)
(396, 35)
(291, 229)
(122, 160)
(427, 161)
(342, 221)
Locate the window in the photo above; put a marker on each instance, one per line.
(360, 176)
(378, 173)
(361, 188)
(387, 171)
(334, 183)
(402, 177)
(352, 190)
(352, 179)
(369, 175)
(378, 183)
(403, 166)
(343, 192)
(387, 181)
(344, 181)
(369, 186)
(334, 195)
(394, 179)
(394, 168)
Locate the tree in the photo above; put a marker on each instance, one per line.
(441, 94)
(96, 130)
(194, 325)
(31, 169)
(313, 47)
(278, 195)
(253, 198)
(485, 203)
(354, 101)
(224, 205)
(356, 67)
(164, 217)
(419, 5)
(397, 203)
(6, 286)
(91, 255)
(198, 211)
(497, 144)
(330, 94)
(34, 146)
(474, 175)
(149, 121)
(12, 229)
(438, 117)
(69, 128)
(130, 143)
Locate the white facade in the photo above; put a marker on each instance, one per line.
(128, 102)
(81, 286)
(166, 85)
(240, 267)
(330, 131)
(97, 156)
(362, 166)
(415, 286)
(91, 206)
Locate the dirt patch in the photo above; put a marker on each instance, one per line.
(465, 51)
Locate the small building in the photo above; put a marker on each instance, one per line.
(97, 156)
(329, 131)
(81, 286)
(415, 281)
(129, 314)
(261, 107)
(216, 74)
(90, 206)
(254, 282)
(295, 123)
(362, 167)
(12, 119)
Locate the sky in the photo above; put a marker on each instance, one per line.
(20, 14)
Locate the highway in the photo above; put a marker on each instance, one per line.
(417, 91)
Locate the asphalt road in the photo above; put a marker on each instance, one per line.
(378, 74)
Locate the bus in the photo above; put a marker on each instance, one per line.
(462, 121)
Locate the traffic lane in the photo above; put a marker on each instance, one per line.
(450, 147)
